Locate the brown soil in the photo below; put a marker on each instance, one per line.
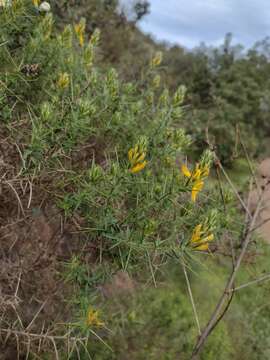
(263, 181)
(35, 241)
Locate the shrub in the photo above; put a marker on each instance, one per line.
(113, 156)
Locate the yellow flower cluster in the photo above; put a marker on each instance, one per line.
(63, 80)
(200, 238)
(136, 157)
(156, 60)
(196, 178)
(80, 31)
(92, 318)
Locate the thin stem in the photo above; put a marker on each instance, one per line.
(234, 189)
(228, 287)
(192, 299)
(263, 278)
(249, 162)
(261, 224)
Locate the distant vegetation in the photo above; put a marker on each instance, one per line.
(228, 87)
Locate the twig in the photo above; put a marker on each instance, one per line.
(248, 200)
(151, 270)
(263, 278)
(55, 349)
(17, 196)
(192, 299)
(4, 43)
(18, 284)
(36, 315)
(232, 251)
(260, 224)
(41, 336)
(224, 311)
(249, 162)
(30, 194)
(228, 287)
(245, 229)
(224, 208)
(234, 188)
(220, 187)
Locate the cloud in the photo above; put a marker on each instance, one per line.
(191, 22)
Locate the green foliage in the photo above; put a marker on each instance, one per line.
(227, 89)
(159, 323)
(227, 93)
(66, 105)
(69, 104)
(109, 152)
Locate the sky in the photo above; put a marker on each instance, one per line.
(190, 22)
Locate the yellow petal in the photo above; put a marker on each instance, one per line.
(80, 30)
(208, 238)
(196, 174)
(185, 171)
(136, 149)
(196, 236)
(141, 157)
(130, 154)
(205, 171)
(138, 167)
(81, 40)
(93, 318)
(197, 187)
(77, 28)
(202, 247)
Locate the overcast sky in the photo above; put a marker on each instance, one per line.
(189, 22)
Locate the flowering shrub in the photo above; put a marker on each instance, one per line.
(113, 153)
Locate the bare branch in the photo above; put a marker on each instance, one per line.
(214, 319)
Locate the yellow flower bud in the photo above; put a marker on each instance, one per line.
(63, 80)
(80, 31)
(156, 60)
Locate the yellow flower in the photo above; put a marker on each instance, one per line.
(80, 30)
(36, 3)
(92, 318)
(138, 167)
(196, 188)
(198, 173)
(156, 60)
(63, 80)
(195, 177)
(136, 157)
(185, 171)
(199, 239)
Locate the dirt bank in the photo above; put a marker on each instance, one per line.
(263, 181)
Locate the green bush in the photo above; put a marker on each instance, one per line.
(110, 154)
(159, 324)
